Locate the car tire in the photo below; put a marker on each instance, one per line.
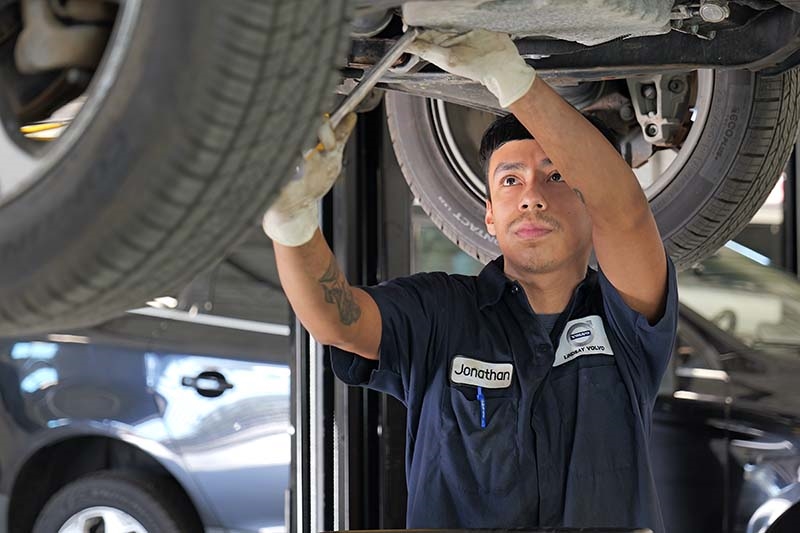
(209, 110)
(157, 505)
(747, 137)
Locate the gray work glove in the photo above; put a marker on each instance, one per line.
(483, 56)
(294, 216)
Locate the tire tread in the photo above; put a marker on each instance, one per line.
(236, 151)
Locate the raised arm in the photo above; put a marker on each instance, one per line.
(333, 312)
(330, 309)
(624, 233)
(625, 236)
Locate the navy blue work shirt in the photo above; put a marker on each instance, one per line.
(561, 436)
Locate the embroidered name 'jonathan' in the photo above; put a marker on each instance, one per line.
(467, 371)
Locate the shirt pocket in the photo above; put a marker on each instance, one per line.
(597, 404)
(479, 459)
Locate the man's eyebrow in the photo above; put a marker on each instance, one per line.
(544, 163)
(509, 166)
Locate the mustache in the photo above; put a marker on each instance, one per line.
(538, 219)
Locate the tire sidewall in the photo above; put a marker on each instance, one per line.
(91, 175)
(105, 491)
(457, 212)
(712, 157)
(201, 125)
(461, 216)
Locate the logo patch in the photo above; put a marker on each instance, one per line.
(583, 336)
(580, 334)
(467, 371)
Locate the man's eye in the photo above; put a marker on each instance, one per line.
(509, 180)
(556, 177)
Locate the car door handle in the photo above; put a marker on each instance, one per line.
(209, 384)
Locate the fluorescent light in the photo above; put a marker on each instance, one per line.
(163, 302)
(59, 337)
(215, 320)
(748, 253)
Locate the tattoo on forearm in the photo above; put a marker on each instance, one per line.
(580, 196)
(337, 291)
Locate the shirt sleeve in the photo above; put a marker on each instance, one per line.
(410, 310)
(653, 343)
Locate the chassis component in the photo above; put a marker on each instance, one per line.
(661, 104)
(769, 41)
(47, 44)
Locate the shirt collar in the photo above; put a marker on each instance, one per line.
(492, 282)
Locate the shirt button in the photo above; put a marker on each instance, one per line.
(514, 289)
(542, 351)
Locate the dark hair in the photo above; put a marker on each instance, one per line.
(507, 128)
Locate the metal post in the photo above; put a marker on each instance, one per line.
(791, 217)
(395, 247)
(299, 494)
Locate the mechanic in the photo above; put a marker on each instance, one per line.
(529, 387)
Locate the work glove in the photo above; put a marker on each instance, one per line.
(484, 56)
(294, 216)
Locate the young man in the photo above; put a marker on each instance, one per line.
(530, 387)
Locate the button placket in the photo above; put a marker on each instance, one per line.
(543, 351)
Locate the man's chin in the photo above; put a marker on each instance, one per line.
(532, 262)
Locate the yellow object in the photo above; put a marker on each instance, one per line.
(45, 126)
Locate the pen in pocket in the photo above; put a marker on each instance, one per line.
(482, 401)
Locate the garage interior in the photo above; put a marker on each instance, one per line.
(355, 439)
(211, 408)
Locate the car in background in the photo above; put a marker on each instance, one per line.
(172, 418)
(726, 432)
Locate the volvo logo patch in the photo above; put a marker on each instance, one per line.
(468, 371)
(584, 336)
(580, 334)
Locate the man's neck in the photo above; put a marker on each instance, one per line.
(549, 292)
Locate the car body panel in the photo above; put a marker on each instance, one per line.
(237, 445)
(129, 388)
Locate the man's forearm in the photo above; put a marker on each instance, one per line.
(326, 304)
(583, 156)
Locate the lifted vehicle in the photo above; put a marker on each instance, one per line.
(191, 115)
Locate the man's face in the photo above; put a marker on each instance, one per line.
(540, 222)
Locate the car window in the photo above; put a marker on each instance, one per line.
(757, 304)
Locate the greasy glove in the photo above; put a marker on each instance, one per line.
(484, 56)
(294, 216)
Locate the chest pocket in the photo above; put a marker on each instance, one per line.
(479, 459)
(595, 406)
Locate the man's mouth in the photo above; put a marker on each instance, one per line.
(531, 230)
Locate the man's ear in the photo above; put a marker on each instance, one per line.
(489, 219)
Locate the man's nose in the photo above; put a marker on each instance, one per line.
(532, 198)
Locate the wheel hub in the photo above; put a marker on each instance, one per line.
(102, 519)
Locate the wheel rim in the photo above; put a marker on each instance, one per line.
(675, 160)
(458, 130)
(26, 161)
(102, 519)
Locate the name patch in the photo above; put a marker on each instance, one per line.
(582, 336)
(466, 371)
